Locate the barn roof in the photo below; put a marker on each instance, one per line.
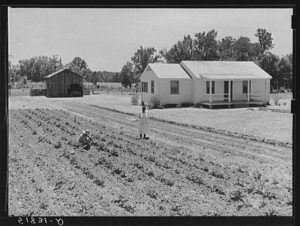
(225, 70)
(168, 70)
(59, 71)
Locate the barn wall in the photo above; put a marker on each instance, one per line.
(71, 78)
(58, 85)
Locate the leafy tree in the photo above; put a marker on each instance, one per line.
(226, 48)
(286, 71)
(265, 40)
(182, 50)
(205, 45)
(117, 77)
(79, 65)
(144, 56)
(36, 68)
(244, 50)
(13, 73)
(270, 63)
(127, 75)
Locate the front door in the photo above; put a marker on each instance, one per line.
(226, 89)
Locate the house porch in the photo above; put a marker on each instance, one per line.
(233, 104)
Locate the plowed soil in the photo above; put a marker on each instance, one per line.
(179, 171)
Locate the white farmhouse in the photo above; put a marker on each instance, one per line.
(207, 82)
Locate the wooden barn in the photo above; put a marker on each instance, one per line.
(64, 83)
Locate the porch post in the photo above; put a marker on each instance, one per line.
(209, 91)
(229, 91)
(266, 90)
(248, 89)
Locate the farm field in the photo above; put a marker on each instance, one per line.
(180, 171)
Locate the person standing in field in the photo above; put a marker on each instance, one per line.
(143, 123)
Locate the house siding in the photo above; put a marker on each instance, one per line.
(237, 92)
(185, 92)
(261, 86)
(149, 76)
(198, 90)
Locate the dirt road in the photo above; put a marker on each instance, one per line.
(220, 146)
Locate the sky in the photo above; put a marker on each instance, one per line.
(107, 38)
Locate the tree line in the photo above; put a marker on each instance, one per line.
(37, 68)
(205, 46)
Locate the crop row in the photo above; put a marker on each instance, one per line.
(151, 175)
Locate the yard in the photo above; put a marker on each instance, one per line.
(250, 122)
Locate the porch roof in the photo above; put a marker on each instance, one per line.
(226, 70)
(231, 77)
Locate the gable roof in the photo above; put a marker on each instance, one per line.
(225, 70)
(168, 71)
(59, 71)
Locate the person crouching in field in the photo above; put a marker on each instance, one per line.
(143, 123)
(84, 140)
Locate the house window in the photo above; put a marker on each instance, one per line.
(245, 86)
(174, 87)
(152, 86)
(212, 87)
(145, 87)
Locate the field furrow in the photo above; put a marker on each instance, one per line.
(181, 171)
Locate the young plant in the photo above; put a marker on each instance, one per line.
(154, 102)
(135, 99)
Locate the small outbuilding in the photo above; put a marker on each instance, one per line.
(64, 83)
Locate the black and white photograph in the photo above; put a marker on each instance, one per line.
(150, 112)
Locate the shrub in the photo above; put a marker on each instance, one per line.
(236, 195)
(99, 182)
(154, 102)
(170, 105)
(57, 145)
(276, 99)
(135, 99)
(152, 193)
(186, 104)
(198, 105)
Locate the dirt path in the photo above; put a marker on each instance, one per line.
(197, 140)
(179, 171)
